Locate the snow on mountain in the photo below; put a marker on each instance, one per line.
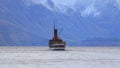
(30, 22)
(85, 7)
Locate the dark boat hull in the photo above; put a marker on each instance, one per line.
(57, 46)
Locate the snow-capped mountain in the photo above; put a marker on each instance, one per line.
(30, 22)
(84, 7)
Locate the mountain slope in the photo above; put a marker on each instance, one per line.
(27, 22)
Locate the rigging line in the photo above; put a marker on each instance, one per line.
(60, 31)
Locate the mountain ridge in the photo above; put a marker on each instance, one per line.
(22, 24)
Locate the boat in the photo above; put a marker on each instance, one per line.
(56, 43)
